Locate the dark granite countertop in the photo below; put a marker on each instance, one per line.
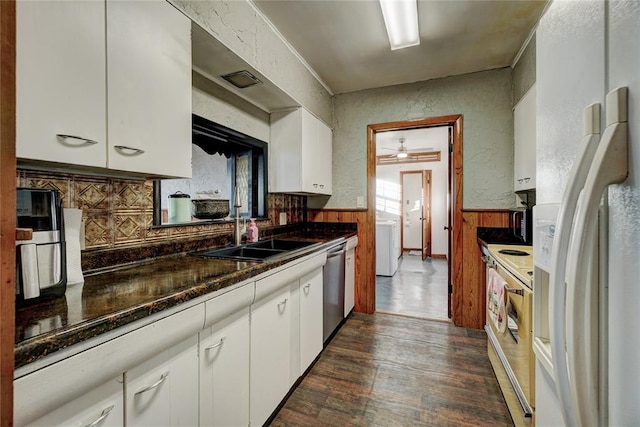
(110, 299)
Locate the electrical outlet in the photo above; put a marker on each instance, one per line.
(360, 202)
(283, 218)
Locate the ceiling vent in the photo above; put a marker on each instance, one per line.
(241, 79)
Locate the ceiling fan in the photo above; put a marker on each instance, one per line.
(402, 152)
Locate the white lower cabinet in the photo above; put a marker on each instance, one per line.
(102, 406)
(270, 353)
(311, 304)
(224, 372)
(350, 275)
(163, 391)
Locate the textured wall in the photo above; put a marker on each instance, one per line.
(485, 101)
(238, 26)
(524, 73)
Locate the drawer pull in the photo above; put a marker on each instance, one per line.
(515, 291)
(84, 141)
(154, 385)
(132, 151)
(283, 302)
(218, 344)
(105, 414)
(306, 288)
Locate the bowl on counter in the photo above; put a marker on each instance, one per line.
(210, 208)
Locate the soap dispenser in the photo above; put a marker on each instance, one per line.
(252, 231)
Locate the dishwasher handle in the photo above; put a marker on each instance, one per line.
(336, 251)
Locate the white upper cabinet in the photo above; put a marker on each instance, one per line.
(524, 148)
(60, 82)
(300, 154)
(149, 88)
(85, 71)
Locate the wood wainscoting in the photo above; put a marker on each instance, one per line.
(473, 269)
(365, 295)
(471, 312)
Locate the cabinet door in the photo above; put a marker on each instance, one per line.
(524, 150)
(270, 354)
(60, 82)
(308, 152)
(164, 389)
(324, 158)
(149, 88)
(102, 406)
(311, 304)
(224, 372)
(349, 281)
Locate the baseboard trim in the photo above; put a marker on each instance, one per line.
(439, 256)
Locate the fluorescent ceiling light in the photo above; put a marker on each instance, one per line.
(401, 20)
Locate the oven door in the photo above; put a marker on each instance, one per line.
(512, 342)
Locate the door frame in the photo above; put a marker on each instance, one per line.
(7, 206)
(425, 190)
(455, 123)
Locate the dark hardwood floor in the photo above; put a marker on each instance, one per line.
(386, 370)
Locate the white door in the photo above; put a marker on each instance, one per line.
(270, 354)
(149, 88)
(163, 390)
(412, 211)
(224, 372)
(103, 406)
(311, 320)
(60, 82)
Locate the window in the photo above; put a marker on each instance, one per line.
(222, 160)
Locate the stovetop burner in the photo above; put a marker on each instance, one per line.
(513, 252)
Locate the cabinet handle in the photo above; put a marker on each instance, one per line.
(527, 179)
(211, 347)
(306, 287)
(63, 138)
(321, 185)
(520, 180)
(154, 385)
(489, 261)
(315, 185)
(515, 291)
(134, 151)
(283, 302)
(105, 414)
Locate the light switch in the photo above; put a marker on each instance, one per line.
(360, 202)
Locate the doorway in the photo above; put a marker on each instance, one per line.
(453, 224)
(412, 191)
(415, 212)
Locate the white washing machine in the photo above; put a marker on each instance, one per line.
(386, 248)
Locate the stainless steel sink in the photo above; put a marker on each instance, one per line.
(259, 251)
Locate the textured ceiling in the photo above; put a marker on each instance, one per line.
(345, 41)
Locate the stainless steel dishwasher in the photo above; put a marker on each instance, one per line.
(333, 287)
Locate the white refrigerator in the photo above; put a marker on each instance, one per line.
(587, 364)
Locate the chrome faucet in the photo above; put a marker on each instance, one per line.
(237, 235)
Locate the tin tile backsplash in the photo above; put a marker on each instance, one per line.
(119, 211)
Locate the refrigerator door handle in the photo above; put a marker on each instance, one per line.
(610, 166)
(557, 301)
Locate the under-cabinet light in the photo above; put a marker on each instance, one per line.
(401, 20)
